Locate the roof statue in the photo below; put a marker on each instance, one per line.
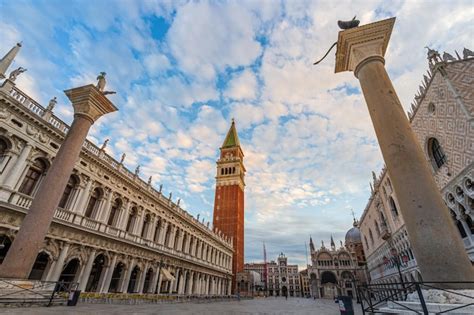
(170, 196)
(104, 145)
(333, 245)
(311, 245)
(15, 73)
(7, 60)
(137, 170)
(101, 82)
(231, 139)
(467, 53)
(149, 180)
(433, 55)
(179, 201)
(122, 158)
(344, 25)
(161, 188)
(52, 103)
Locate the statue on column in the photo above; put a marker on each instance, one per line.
(15, 73)
(101, 82)
(52, 103)
(122, 158)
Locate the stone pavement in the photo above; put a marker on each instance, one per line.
(258, 306)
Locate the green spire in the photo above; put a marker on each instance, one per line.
(232, 139)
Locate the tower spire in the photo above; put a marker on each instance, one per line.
(333, 245)
(311, 244)
(232, 138)
(7, 60)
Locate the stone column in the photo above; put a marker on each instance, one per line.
(89, 104)
(80, 205)
(87, 271)
(190, 284)
(154, 281)
(126, 277)
(104, 287)
(123, 217)
(105, 210)
(426, 217)
(58, 267)
(17, 169)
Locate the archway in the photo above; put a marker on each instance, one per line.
(146, 285)
(70, 271)
(5, 243)
(328, 285)
(284, 291)
(116, 276)
(96, 273)
(132, 284)
(39, 266)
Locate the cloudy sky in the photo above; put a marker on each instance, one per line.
(183, 69)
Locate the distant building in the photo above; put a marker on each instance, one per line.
(304, 283)
(442, 118)
(283, 279)
(336, 271)
(249, 283)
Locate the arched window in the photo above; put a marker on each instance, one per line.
(371, 237)
(436, 153)
(3, 149)
(393, 207)
(93, 202)
(146, 224)
(71, 184)
(32, 177)
(114, 211)
(185, 239)
(131, 220)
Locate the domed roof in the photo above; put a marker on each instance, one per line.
(353, 235)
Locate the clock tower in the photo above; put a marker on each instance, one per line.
(229, 198)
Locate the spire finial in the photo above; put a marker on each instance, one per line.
(353, 214)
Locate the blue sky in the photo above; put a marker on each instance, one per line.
(183, 69)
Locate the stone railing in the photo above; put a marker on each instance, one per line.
(91, 149)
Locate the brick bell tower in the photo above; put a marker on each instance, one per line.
(229, 197)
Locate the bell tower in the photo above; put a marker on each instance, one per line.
(229, 197)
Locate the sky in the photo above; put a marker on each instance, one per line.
(183, 69)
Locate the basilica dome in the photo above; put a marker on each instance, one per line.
(353, 235)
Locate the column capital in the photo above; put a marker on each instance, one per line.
(89, 102)
(355, 45)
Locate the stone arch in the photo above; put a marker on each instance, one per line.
(117, 276)
(71, 270)
(134, 279)
(97, 272)
(41, 266)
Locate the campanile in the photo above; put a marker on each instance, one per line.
(229, 197)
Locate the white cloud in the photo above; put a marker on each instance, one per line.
(242, 86)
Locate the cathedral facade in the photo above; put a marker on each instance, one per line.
(112, 231)
(337, 271)
(442, 118)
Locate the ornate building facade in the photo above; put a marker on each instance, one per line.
(336, 271)
(112, 231)
(282, 279)
(442, 118)
(229, 197)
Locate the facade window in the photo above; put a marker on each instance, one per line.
(168, 235)
(71, 184)
(371, 237)
(32, 177)
(393, 207)
(114, 212)
(93, 202)
(436, 153)
(3, 150)
(157, 231)
(377, 229)
(176, 239)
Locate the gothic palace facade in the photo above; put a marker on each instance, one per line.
(442, 118)
(112, 232)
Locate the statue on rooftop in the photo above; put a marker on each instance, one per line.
(101, 82)
(52, 103)
(448, 57)
(15, 73)
(104, 145)
(433, 55)
(344, 25)
(122, 158)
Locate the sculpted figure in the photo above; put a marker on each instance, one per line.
(467, 53)
(448, 57)
(104, 145)
(52, 103)
(15, 73)
(433, 55)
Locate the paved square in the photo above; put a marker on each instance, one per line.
(270, 305)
